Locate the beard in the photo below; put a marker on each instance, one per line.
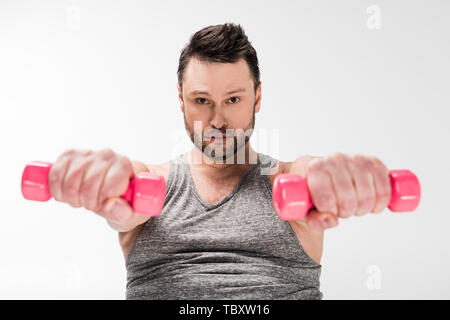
(225, 151)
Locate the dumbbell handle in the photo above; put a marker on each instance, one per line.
(35, 187)
(292, 200)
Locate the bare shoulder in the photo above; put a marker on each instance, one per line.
(280, 168)
(162, 169)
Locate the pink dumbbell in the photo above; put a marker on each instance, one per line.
(291, 199)
(146, 192)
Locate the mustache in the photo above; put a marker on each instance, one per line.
(208, 135)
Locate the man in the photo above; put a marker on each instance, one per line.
(218, 236)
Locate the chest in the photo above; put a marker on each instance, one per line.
(213, 191)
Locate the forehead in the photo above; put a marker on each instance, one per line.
(216, 76)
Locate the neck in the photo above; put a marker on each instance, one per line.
(200, 161)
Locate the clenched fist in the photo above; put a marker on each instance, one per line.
(342, 186)
(95, 180)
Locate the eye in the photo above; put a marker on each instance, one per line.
(202, 99)
(235, 98)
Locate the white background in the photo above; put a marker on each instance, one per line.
(85, 74)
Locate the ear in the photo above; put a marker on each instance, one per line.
(258, 98)
(180, 97)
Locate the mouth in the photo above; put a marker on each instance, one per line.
(218, 138)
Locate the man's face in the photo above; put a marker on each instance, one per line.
(219, 98)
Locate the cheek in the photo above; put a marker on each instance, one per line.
(239, 113)
(241, 118)
(193, 111)
(196, 120)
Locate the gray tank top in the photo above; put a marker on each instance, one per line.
(235, 249)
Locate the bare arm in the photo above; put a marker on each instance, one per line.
(128, 235)
(310, 239)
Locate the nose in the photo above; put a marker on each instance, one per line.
(218, 121)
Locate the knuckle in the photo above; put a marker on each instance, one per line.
(106, 153)
(362, 211)
(54, 184)
(331, 165)
(54, 177)
(85, 152)
(97, 211)
(89, 201)
(383, 195)
(338, 157)
(377, 164)
(357, 157)
(377, 161)
(125, 163)
(366, 202)
(107, 190)
(88, 185)
(69, 152)
(326, 165)
(316, 164)
(347, 207)
(75, 204)
(361, 161)
(365, 205)
(72, 177)
(86, 192)
(325, 202)
(91, 204)
(114, 187)
(70, 192)
(378, 209)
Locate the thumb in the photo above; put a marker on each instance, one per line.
(320, 221)
(117, 210)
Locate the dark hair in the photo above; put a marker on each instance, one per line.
(226, 43)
